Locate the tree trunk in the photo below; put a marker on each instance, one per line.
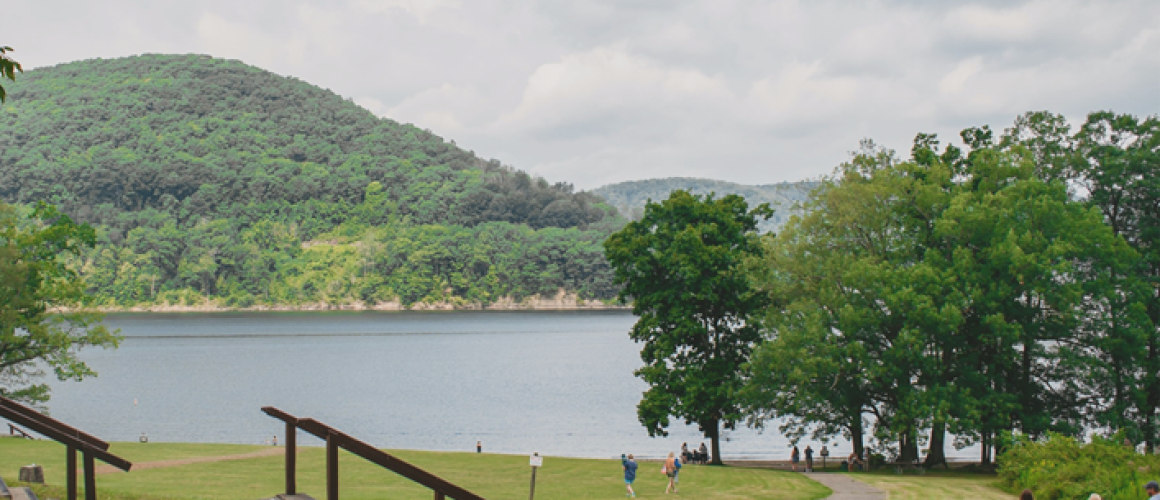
(938, 436)
(986, 448)
(1152, 398)
(856, 436)
(715, 436)
(908, 445)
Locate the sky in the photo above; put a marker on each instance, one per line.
(599, 91)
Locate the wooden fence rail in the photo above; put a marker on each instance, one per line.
(74, 440)
(336, 439)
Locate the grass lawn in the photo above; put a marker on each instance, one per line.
(489, 475)
(935, 485)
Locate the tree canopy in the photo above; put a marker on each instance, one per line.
(683, 266)
(974, 291)
(34, 283)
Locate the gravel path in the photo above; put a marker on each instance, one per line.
(106, 469)
(846, 488)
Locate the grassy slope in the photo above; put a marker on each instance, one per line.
(935, 485)
(491, 476)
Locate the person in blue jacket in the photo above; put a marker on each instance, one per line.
(629, 473)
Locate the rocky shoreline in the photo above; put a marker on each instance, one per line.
(561, 302)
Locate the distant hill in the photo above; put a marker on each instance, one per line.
(216, 183)
(630, 197)
(194, 136)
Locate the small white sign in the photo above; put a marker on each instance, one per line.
(537, 461)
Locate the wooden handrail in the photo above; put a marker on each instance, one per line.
(337, 439)
(13, 430)
(62, 427)
(74, 441)
(59, 431)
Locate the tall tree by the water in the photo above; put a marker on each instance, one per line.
(35, 282)
(683, 267)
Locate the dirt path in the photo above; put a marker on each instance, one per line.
(107, 469)
(846, 488)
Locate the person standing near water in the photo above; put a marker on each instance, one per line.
(672, 469)
(629, 474)
(479, 446)
(809, 459)
(794, 456)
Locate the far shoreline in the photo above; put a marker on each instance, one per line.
(561, 302)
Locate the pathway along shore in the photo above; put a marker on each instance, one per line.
(845, 487)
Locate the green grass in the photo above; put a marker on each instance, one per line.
(489, 475)
(935, 485)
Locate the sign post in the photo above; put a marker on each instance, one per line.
(536, 462)
(825, 453)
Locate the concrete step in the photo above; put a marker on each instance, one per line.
(22, 494)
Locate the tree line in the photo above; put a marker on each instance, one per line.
(1010, 284)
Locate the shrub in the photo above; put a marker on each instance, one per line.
(1061, 467)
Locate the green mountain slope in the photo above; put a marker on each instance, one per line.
(630, 197)
(216, 182)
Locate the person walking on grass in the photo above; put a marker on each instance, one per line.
(672, 470)
(809, 459)
(794, 457)
(629, 474)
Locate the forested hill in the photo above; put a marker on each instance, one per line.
(214, 181)
(630, 197)
(195, 136)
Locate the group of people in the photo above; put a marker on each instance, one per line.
(853, 462)
(670, 468)
(697, 456)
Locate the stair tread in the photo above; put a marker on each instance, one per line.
(23, 493)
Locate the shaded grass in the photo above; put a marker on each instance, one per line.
(489, 475)
(935, 485)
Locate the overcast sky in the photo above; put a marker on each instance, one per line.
(595, 91)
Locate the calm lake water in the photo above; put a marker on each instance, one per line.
(559, 383)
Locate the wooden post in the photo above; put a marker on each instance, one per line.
(291, 451)
(532, 494)
(331, 467)
(439, 496)
(71, 470)
(90, 477)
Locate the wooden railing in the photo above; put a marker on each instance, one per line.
(74, 440)
(336, 439)
(14, 430)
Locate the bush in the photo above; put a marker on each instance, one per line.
(1060, 467)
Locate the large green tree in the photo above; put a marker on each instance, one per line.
(683, 266)
(35, 284)
(938, 293)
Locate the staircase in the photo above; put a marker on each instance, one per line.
(21, 493)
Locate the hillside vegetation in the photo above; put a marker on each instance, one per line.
(630, 197)
(213, 181)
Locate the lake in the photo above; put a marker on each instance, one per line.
(559, 383)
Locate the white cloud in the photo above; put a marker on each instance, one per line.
(606, 90)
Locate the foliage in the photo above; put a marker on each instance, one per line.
(682, 264)
(34, 280)
(8, 69)
(211, 180)
(630, 197)
(942, 293)
(1061, 467)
